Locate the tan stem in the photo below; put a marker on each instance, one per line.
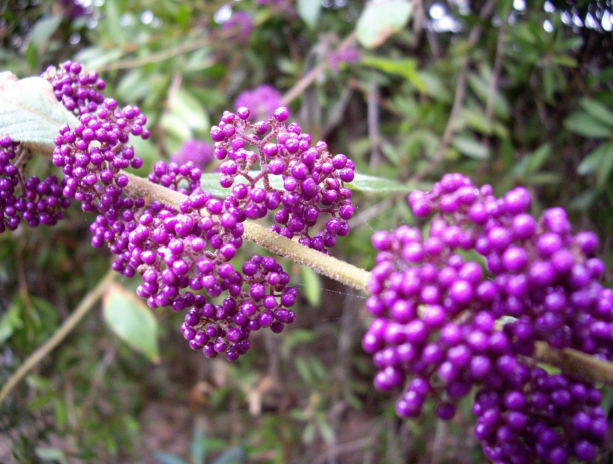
(86, 304)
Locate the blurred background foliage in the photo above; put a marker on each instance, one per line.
(508, 92)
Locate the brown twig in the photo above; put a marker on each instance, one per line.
(308, 78)
(86, 304)
(460, 91)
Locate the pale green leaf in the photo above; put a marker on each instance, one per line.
(10, 321)
(406, 68)
(598, 111)
(435, 87)
(132, 321)
(309, 11)
(361, 183)
(604, 171)
(94, 57)
(380, 19)
(312, 285)
(176, 125)
(584, 124)
(167, 458)
(29, 112)
(481, 87)
(470, 147)
(51, 455)
(43, 30)
(592, 161)
(187, 107)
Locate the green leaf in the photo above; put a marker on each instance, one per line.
(312, 285)
(29, 112)
(10, 321)
(309, 11)
(598, 111)
(532, 162)
(112, 23)
(371, 184)
(51, 454)
(604, 171)
(43, 30)
(406, 68)
(197, 451)
(187, 107)
(95, 57)
(584, 124)
(592, 161)
(326, 430)
(361, 183)
(294, 338)
(132, 321)
(231, 455)
(176, 125)
(481, 87)
(167, 458)
(435, 87)
(381, 19)
(470, 147)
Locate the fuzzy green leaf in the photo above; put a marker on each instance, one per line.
(361, 183)
(29, 112)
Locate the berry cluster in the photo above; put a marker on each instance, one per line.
(76, 89)
(431, 321)
(34, 201)
(544, 276)
(240, 26)
(181, 254)
(259, 298)
(198, 152)
(526, 415)
(92, 154)
(261, 101)
(313, 181)
(350, 55)
(436, 312)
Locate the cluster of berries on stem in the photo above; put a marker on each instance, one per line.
(437, 312)
(312, 181)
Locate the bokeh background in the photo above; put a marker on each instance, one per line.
(509, 92)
